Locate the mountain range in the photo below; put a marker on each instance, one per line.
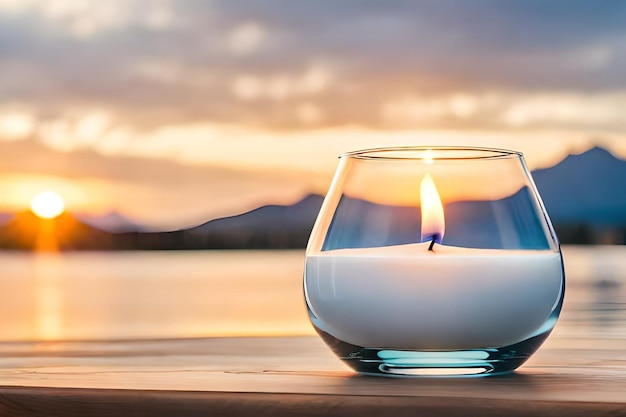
(589, 188)
(583, 193)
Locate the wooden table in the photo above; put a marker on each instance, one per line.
(293, 376)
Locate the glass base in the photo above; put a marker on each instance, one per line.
(412, 363)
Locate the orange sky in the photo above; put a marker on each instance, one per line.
(173, 113)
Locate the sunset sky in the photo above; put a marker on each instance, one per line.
(176, 112)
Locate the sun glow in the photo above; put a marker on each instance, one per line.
(47, 205)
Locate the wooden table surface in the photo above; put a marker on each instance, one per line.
(293, 376)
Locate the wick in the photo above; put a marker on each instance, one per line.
(432, 243)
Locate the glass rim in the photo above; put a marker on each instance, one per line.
(412, 153)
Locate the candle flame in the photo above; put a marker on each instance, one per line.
(433, 220)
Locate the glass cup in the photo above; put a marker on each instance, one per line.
(433, 261)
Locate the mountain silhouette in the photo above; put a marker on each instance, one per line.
(589, 188)
(27, 231)
(112, 222)
(581, 193)
(271, 226)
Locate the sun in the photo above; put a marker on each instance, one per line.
(47, 205)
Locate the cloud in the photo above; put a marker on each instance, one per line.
(245, 38)
(76, 133)
(278, 87)
(244, 62)
(227, 101)
(599, 112)
(15, 125)
(84, 19)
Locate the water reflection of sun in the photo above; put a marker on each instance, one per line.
(47, 205)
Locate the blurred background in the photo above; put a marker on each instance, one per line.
(141, 120)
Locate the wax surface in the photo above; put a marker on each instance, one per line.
(406, 297)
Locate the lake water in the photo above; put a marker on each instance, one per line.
(135, 295)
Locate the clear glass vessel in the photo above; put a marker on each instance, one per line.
(433, 261)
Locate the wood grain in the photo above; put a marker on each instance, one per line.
(292, 376)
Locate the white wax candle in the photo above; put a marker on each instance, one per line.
(406, 297)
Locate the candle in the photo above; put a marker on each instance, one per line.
(445, 298)
(406, 297)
